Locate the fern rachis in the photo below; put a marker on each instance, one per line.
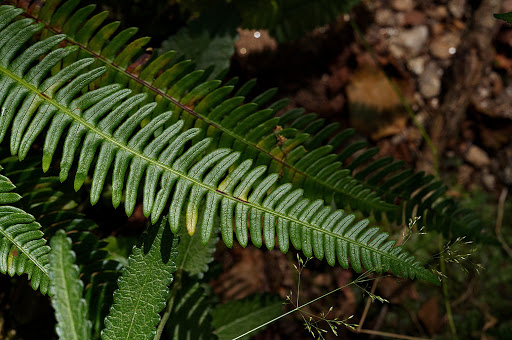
(310, 225)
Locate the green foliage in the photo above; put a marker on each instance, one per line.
(56, 210)
(193, 256)
(23, 249)
(235, 318)
(156, 130)
(143, 287)
(66, 288)
(190, 317)
(301, 148)
(504, 16)
(207, 40)
(97, 120)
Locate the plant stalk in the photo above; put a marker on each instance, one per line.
(170, 303)
(444, 283)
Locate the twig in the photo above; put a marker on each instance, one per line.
(165, 317)
(367, 306)
(390, 335)
(499, 221)
(446, 297)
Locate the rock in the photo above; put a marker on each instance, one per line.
(489, 180)
(402, 5)
(410, 41)
(385, 17)
(417, 65)
(507, 175)
(429, 82)
(457, 8)
(445, 46)
(439, 13)
(506, 6)
(477, 157)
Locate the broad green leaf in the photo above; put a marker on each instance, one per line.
(143, 286)
(66, 288)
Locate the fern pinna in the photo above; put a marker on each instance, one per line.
(23, 250)
(103, 127)
(302, 148)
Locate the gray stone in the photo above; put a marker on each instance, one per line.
(417, 65)
(430, 80)
(477, 157)
(410, 41)
(457, 8)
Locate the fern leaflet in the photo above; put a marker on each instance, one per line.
(23, 249)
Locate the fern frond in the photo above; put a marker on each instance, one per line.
(143, 287)
(66, 288)
(235, 318)
(190, 317)
(23, 249)
(175, 85)
(304, 152)
(97, 120)
(193, 256)
(55, 211)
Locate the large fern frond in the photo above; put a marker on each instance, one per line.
(23, 249)
(249, 128)
(102, 127)
(302, 148)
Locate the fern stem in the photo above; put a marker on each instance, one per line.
(170, 304)
(403, 101)
(444, 283)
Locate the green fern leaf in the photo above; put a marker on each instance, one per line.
(176, 86)
(238, 317)
(143, 287)
(504, 16)
(193, 256)
(23, 249)
(303, 152)
(55, 210)
(191, 312)
(185, 178)
(66, 288)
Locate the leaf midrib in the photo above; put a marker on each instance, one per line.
(108, 138)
